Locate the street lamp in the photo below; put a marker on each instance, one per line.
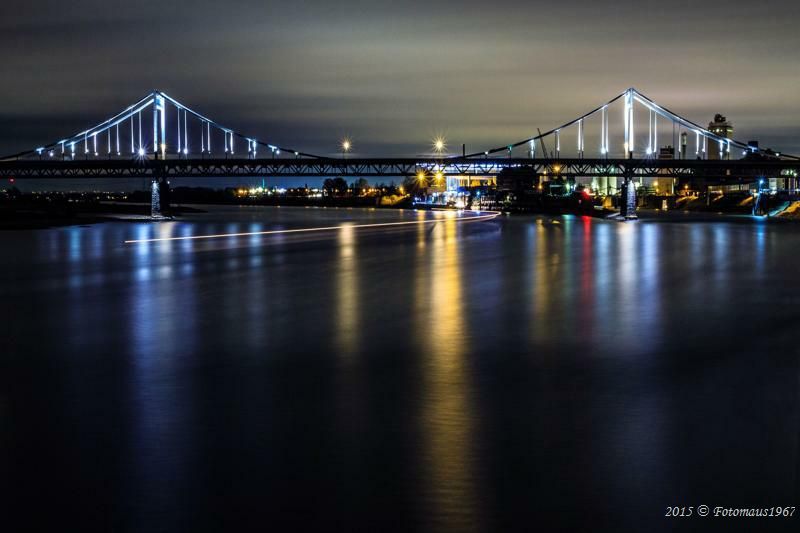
(422, 184)
(439, 145)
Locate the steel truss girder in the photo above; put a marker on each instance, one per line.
(221, 168)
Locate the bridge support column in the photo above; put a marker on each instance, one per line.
(155, 199)
(159, 198)
(627, 201)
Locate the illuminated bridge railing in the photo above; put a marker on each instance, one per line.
(400, 168)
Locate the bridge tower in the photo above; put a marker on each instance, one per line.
(159, 201)
(628, 119)
(627, 200)
(159, 120)
(684, 142)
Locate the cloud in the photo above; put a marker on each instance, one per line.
(392, 72)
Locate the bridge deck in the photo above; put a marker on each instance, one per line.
(390, 167)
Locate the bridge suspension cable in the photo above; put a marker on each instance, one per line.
(140, 146)
(187, 120)
(630, 98)
(553, 131)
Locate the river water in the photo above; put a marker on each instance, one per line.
(452, 376)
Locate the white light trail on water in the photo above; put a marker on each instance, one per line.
(488, 215)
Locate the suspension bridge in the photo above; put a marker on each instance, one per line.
(160, 138)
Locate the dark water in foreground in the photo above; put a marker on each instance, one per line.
(482, 376)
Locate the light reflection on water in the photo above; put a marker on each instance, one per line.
(347, 294)
(460, 376)
(447, 416)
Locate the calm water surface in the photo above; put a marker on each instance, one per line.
(481, 376)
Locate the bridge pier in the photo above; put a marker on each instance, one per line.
(155, 199)
(159, 198)
(627, 201)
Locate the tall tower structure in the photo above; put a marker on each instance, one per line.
(684, 142)
(718, 149)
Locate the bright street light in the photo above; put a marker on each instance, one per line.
(439, 144)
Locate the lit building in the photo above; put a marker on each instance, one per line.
(719, 149)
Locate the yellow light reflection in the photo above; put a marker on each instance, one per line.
(347, 296)
(447, 415)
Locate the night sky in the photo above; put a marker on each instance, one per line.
(392, 75)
